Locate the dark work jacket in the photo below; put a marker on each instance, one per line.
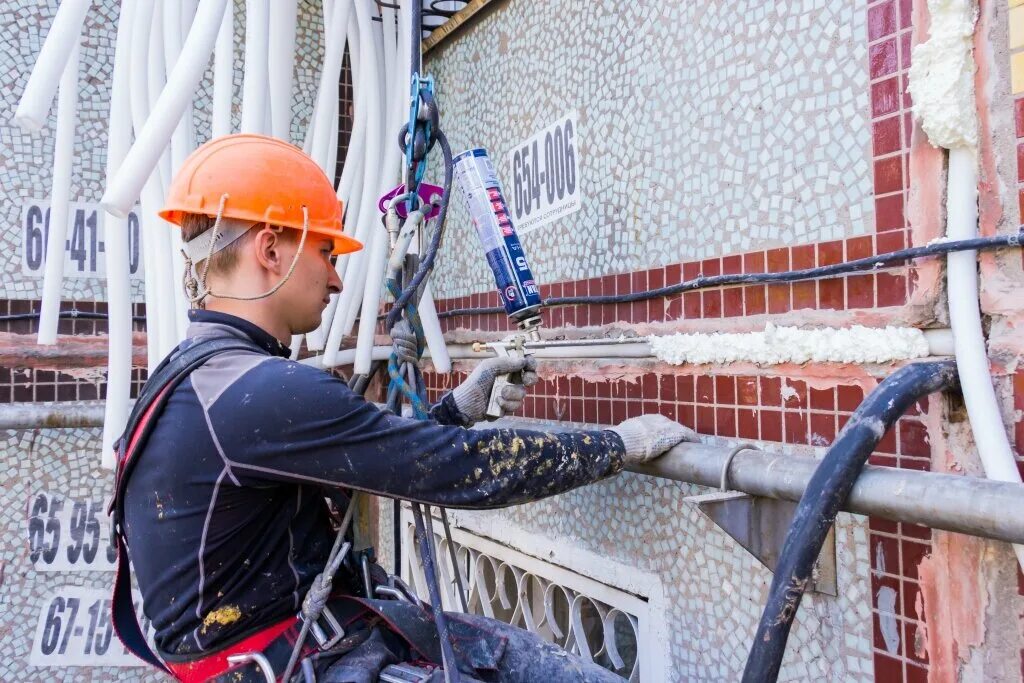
(224, 512)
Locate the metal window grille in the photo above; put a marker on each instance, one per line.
(593, 620)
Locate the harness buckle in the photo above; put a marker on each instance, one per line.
(326, 630)
(406, 673)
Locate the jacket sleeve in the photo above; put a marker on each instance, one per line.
(285, 421)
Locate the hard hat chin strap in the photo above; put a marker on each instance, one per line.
(216, 239)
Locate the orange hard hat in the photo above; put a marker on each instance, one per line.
(265, 180)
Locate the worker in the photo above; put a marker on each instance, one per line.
(222, 482)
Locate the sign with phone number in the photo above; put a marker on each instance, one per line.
(85, 247)
(74, 629)
(65, 534)
(544, 176)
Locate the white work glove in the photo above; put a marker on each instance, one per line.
(403, 342)
(648, 436)
(471, 397)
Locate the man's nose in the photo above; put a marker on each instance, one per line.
(333, 281)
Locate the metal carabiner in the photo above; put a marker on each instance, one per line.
(260, 660)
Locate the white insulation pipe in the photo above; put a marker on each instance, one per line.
(182, 144)
(254, 85)
(125, 187)
(60, 197)
(138, 99)
(119, 301)
(965, 317)
(51, 64)
(224, 73)
(281, 59)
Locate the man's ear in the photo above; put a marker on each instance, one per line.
(268, 243)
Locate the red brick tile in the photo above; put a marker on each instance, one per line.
(1018, 390)
(623, 283)
(771, 425)
(691, 305)
(771, 391)
(860, 247)
(913, 641)
(848, 397)
(725, 422)
(656, 278)
(691, 270)
(805, 295)
(673, 274)
(913, 439)
(890, 241)
(725, 390)
(668, 410)
(711, 267)
(861, 291)
(906, 58)
(712, 303)
(803, 256)
(732, 265)
(888, 669)
(888, 175)
(638, 312)
(830, 253)
(604, 412)
(666, 387)
(887, 444)
(882, 20)
(882, 58)
(794, 393)
(831, 294)
(822, 399)
(912, 554)
(746, 391)
(796, 426)
(685, 388)
(705, 389)
(889, 213)
(906, 13)
(732, 302)
(892, 289)
(746, 423)
(779, 298)
(618, 411)
(885, 136)
(823, 429)
(1018, 116)
(674, 310)
(755, 300)
(705, 420)
(885, 97)
(754, 262)
(590, 412)
(638, 281)
(778, 260)
(885, 555)
(884, 526)
(1020, 163)
(686, 415)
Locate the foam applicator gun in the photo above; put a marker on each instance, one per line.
(485, 203)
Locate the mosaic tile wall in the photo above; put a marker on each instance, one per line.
(714, 589)
(689, 147)
(25, 167)
(64, 462)
(67, 461)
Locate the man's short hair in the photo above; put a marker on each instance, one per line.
(223, 261)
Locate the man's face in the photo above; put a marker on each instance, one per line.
(306, 294)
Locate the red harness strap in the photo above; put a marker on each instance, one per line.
(151, 400)
(214, 665)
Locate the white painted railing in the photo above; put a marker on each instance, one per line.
(593, 620)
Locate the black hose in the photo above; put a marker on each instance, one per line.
(826, 492)
(834, 270)
(71, 314)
